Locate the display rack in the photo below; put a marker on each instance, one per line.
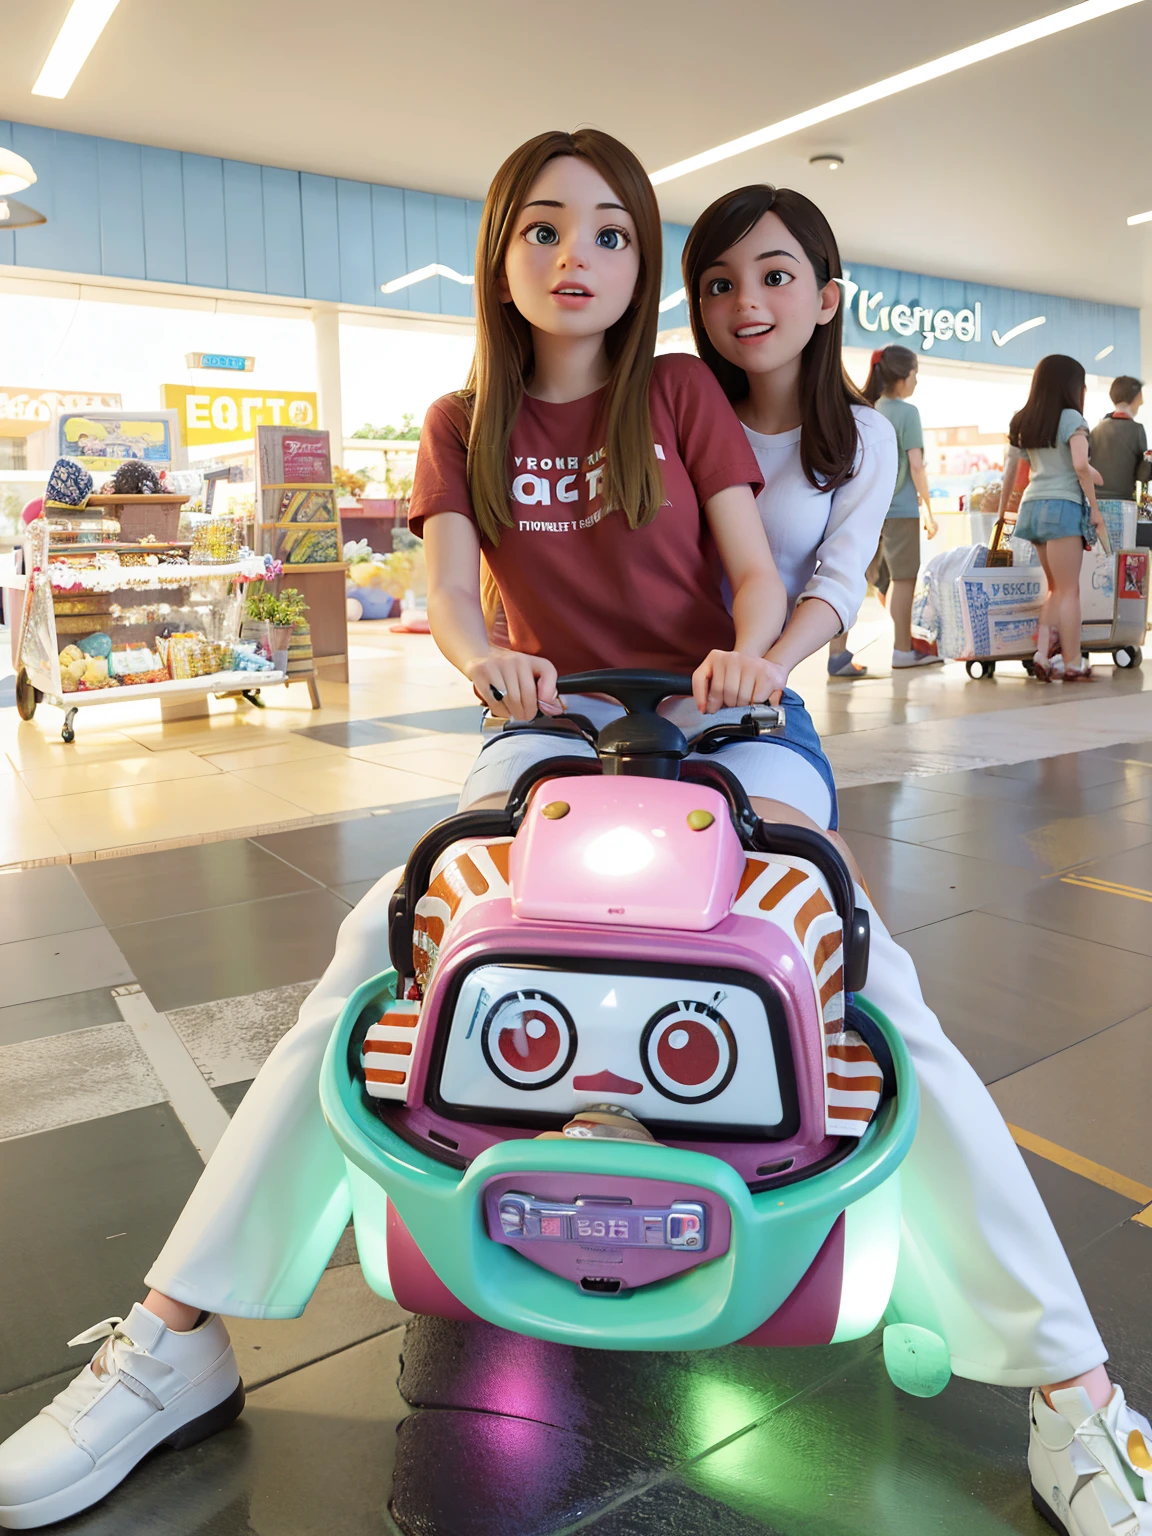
(83, 582)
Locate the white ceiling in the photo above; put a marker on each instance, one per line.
(1018, 171)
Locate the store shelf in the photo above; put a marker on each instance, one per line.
(216, 682)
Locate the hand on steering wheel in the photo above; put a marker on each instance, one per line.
(515, 686)
(727, 679)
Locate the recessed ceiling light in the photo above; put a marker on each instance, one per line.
(1140, 218)
(433, 269)
(671, 301)
(947, 64)
(15, 172)
(828, 162)
(74, 42)
(1101, 355)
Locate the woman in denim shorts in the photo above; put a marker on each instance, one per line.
(1058, 508)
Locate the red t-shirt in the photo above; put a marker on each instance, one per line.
(579, 586)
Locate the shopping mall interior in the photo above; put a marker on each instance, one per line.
(869, 1248)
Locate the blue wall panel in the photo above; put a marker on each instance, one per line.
(121, 209)
(244, 227)
(354, 226)
(7, 238)
(162, 194)
(130, 211)
(283, 231)
(204, 238)
(420, 243)
(452, 244)
(388, 244)
(321, 237)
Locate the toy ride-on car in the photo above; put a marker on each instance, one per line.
(619, 1087)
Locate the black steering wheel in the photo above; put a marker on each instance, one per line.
(639, 691)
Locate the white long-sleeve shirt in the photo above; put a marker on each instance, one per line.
(823, 542)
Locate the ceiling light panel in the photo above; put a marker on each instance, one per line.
(74, 42)
(949, 63)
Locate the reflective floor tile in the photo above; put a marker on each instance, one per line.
(1092, 1098)
(361, 849)
(460, 721)
(1077, 905)
(59, 1080)
(913, 886)
(509, 1476)
(233, 951)
(669, 1508)
(607, 1395)
(1010, 994)
(1114, 1273)
(873, 807)
(860, 1456)
(84, 1211)
(355, 733)
(57, 1015)
(37, 902)
(59, 965)
(343, 1311)
(1081, 1211)
(1072, 771)
(229, 1040)
(152, 885)
(231, 1094)
(1057, 844)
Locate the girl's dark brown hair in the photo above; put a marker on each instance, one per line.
(828, 436)
(503, 360)
(1057, 385)
(888, 366)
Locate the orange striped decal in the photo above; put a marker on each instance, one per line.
(499, 853)
(831, 987)
(850, 1053)
(473, 879)
(388, 1047)
(826, 948)
(433, 926)
(854, 1085)
(786, 884)
(400, 1020)
(753, 869)
(814, 907)
(851, 1112)
(379, 1075)
(441, 889)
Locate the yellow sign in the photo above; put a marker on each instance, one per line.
(226, 415)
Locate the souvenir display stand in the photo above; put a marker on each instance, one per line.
(102, 620)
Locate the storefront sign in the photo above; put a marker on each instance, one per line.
(227, 415)
(945, 317)
(226, 360)
(28, 410)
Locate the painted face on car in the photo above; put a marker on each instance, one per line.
(525, 1040)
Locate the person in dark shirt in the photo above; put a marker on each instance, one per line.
(1118, 445)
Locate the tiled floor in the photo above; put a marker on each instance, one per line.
(1022, 887)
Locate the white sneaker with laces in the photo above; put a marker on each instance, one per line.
(146, 1386)
(1091, 1470)
(915, 659)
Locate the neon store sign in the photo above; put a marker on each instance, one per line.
(931, 325)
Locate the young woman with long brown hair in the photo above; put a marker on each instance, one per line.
(1058, 507)
(980, 1263)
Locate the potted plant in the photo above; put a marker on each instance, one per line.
(271, 618)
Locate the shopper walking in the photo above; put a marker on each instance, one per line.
(1118, 446)
(1058, 510)
(891, 381)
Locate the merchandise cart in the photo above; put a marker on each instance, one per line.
(1113, 599)
(66, 594)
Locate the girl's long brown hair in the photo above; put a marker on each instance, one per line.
(1057, 385)
(828, 436)
(503, 360)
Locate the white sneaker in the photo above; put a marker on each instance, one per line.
(146, 1386)
(1091, 1471)
(915, 659)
